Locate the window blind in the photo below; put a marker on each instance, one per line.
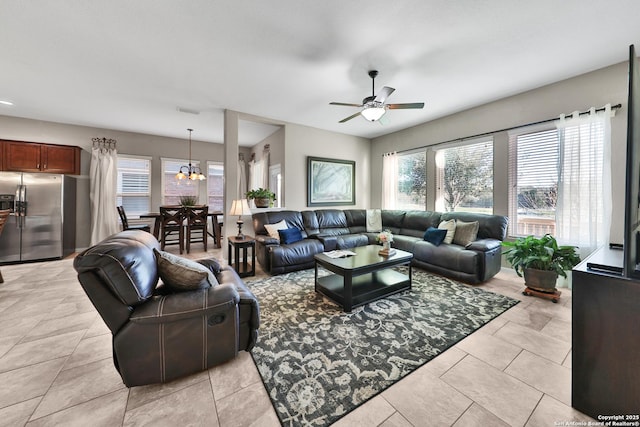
(134, 185)
(533, 177)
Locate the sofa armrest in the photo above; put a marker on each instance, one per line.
(484, 245)
(267, 240)
(328, 241)
(211, 302)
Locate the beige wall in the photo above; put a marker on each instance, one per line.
(608, 85)
(303, 141)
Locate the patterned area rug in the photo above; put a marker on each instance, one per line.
(319, 363)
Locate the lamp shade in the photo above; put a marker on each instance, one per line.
(240, 207)
(373, 113)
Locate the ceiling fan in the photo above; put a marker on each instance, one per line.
(374, 106)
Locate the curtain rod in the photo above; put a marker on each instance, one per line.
(613, 107)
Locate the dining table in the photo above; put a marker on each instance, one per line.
(157, 221)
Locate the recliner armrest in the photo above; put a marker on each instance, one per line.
(216, 300)
(484, 245)
(230, 277)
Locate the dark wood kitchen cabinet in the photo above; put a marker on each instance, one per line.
(36, 157)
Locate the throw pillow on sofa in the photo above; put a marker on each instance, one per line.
(182, 274)
(374, 220)
(466, 232)
(212, 264)
(272, 229)
(435, 236)
(450, 226)
(289, 235)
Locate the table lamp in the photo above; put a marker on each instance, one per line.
(240, 207)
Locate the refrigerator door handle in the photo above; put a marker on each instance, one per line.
(23, 199)
(16, 207)
(21, 208)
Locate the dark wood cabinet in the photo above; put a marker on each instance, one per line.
(60, 159)
(606, 349)
(35, 157)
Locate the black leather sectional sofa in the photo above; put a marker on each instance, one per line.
(328, 229)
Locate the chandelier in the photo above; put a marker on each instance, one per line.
(191, 172)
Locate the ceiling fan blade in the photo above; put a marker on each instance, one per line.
(350, 117)
(405, 106)
(345, 104)
(383, 94)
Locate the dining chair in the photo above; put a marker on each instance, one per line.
(197, 218)
(216, 228)
(125, 222)
(4, 217)
(171, 225)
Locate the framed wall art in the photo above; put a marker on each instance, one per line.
(330, 182)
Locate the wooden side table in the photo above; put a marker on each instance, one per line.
(242, 267)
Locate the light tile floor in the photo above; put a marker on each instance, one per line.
(56, 368)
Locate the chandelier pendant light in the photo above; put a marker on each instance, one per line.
(191, 172)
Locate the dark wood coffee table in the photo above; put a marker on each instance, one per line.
(362, 278)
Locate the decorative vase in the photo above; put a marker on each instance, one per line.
(386, 249)
(262, 202)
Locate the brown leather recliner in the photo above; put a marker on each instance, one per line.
(159, 336)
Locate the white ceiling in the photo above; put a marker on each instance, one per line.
(128, 65)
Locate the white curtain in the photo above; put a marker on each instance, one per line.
(242, 180)
(103, 177)
(389, 180)
(256, 175)
(583, 210)
(265, 168)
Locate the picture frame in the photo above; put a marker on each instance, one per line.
(330, 182)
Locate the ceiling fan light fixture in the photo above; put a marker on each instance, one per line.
(373, 113)
(375, 106)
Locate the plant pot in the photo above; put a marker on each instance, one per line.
(540, 280)
(262, 202)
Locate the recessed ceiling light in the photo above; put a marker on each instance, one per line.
(6, 102)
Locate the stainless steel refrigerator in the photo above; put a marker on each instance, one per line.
(42, 224)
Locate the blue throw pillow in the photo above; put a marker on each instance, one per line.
(290, 235)
(435, 235)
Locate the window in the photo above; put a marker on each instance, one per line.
(464, 178)
(411, 191)
(173, 188)
(215, 186)
(134, 184)
(275, 183)
(560, 181)
(533, 189)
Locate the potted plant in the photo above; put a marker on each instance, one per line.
(188, 200)
(540, 260)
(262, 197)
